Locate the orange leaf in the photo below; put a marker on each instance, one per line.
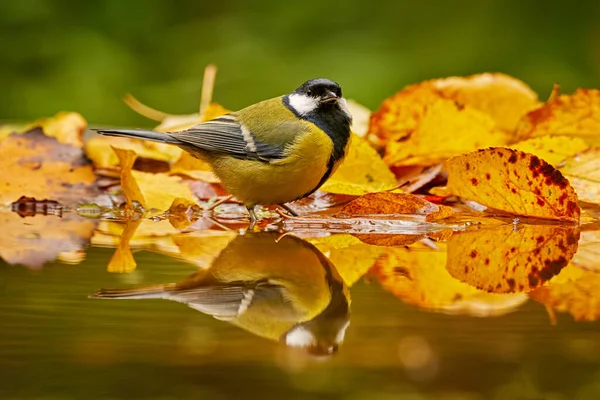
(571, 115)
(502, 260)
(128, 183)
(513, 181)
(39, 166)
(66, 127)
(395, 203)
(429, 122)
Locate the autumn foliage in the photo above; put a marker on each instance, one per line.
(456, 191)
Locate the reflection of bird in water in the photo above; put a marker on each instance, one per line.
(282, 290)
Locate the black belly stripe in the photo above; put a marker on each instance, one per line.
(336, 124)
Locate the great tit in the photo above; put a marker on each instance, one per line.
(272, 152)
(284, 290)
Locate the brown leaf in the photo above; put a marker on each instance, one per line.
(395, 203)
(502, 260)
(514, 182)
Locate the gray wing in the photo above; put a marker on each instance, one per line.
(226, 302)
(224, 135)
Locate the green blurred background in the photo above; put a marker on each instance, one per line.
(83, 56)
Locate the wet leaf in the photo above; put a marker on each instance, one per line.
(570, 115)
(35, 241)
(351, 257)
(574, 291)
(418, 276)
(363, 171)
(552, 149)
(514, 182)
(53, 170)
(395, 203)
(122, 260)
(183, 212)
(29, 206)
(129, 184)
(152, 191)
(66, 127)
(502, 260)
(583, 172)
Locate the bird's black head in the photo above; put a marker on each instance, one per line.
(316, 96)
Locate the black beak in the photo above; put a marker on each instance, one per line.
(329, 97)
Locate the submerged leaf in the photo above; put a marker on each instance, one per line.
(514, 182)
(504, 260)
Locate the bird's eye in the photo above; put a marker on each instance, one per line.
(309, 92)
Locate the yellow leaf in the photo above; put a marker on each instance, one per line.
(202, 247)
(583, 172)
(98, 149)
(552, 149)
(504, 260)
(429, 122)
(129, 185)
(351, 257)
(419, 277)
(363, 171)
(570, 115)
(514, 182)
(503, 97)
(35, 165)
(66, 127)
(122, 260)
(161, 189)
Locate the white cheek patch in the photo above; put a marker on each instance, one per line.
(344, 107)
(302, 104)
(300, 337)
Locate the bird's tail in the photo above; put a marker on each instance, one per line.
(145, 292)
(139, 134)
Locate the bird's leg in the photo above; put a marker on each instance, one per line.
(288, 209)
(253, 218)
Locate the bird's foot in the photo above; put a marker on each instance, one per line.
(288, 209)
(217, 203)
